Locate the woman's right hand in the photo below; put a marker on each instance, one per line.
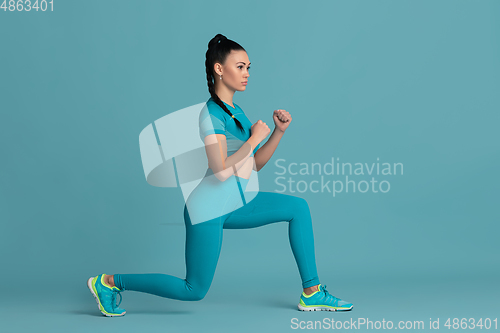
(260, 130)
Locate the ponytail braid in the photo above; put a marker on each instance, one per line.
(218, 49)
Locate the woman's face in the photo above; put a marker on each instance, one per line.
(235, 71)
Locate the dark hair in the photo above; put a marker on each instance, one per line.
(218, 49)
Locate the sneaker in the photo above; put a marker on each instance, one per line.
(105, 296)
(322, 300)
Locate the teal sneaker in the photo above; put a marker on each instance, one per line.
(322, 300)
(105, 296)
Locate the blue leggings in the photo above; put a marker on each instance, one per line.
(204, 241)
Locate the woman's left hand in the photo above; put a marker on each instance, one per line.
(281, 119)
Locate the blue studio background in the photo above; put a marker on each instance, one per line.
(410, 82)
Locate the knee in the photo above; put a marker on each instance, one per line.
(299, 210)
(300, 204)
(196, 293)
(199, 294)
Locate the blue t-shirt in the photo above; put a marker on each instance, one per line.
(214, 120)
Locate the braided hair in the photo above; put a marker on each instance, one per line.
(218, 49)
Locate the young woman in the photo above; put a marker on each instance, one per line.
(232, 147)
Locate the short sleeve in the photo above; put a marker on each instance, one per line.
(211, 123)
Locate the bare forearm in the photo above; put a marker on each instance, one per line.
(263, 155)
(237, 160)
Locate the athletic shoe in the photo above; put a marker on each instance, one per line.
(322, 300)
(105, 296)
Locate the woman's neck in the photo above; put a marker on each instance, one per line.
(225, 95)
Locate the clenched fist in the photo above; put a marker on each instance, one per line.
(282, 119)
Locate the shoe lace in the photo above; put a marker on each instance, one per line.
(113, 299)
(328, 296)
